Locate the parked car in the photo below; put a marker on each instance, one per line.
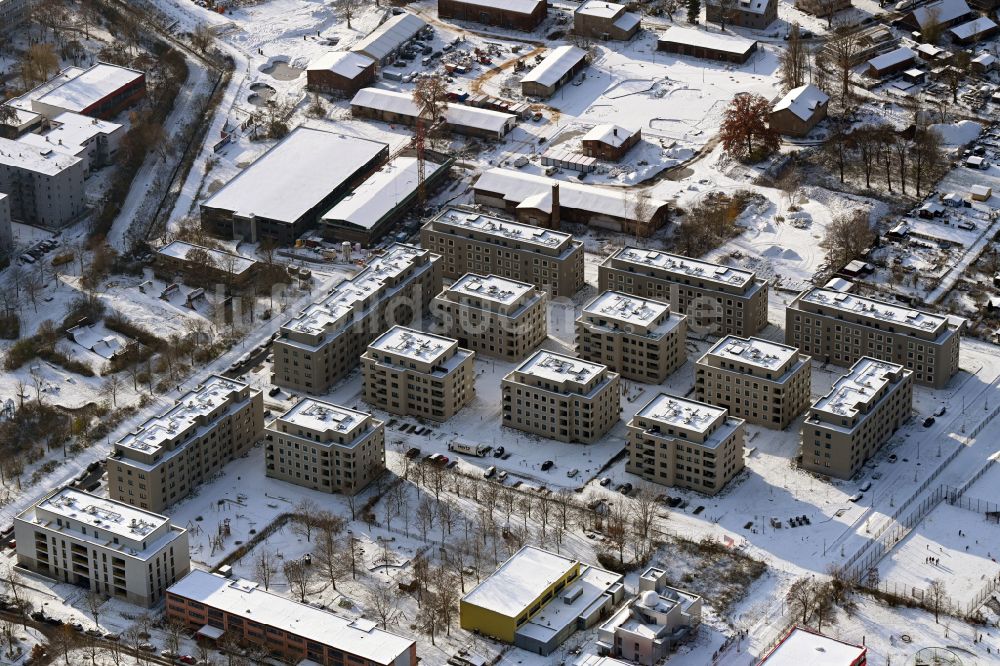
(625, 488)
(547, 465)
(274, 391)
(892, 458)
(865, 487)
(572, 473)
(412, 452)
(929, 421)
(606, 481)
(498, 452)
(490, 471)
(502, 476)
(855, 497)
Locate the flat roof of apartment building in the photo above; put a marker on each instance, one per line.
(102, 513)
(625, 308)
(413, 344)
(40, 159)
(753, 351)
(296, 174)
(81, 90)
(323, 416)
(559, 368)
(501, 228)
(519, 581)
(347, 295)
(875, 309)
(491, 288)
(245, 599)
(159, 430)
(859, 386)
(686, 266)
(679, 412)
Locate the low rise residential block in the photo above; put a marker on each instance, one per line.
(684, 443)
(168, 456)
(840, 327)
(492, 315)
(411, 373)
(849, 424)
(325, 447)
(44, 186)
(718, 300)
(638, 338)
(537, 599)
(107, 547)
(561, 398)
(762, 382)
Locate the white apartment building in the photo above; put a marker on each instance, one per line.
(638, 338)
(105, 546)
(757, 380)
(92, 140)
(492, 315)
(325, 447)
(473, 242)
(13, 12)
(411, 373)
(849, 424)
(165, 458)
(323, 343)
(679, 442)
(45, 187)
(561, 397)
(718, 300)
(840, 327)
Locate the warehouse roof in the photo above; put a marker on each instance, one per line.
(90, 86)
(715, 41)
(515, 6)
(520, 581)
(342, 63)
(455, 115)
(389, 36)
(379, 195)
(557, 64)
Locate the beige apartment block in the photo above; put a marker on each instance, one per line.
(492, 315)
(718, 300)
(325, 447)
(638, 338)
(472, 242)
(762, 382)
(840, 327)
(411, 373)
(562, 398)
(847, 426)
(107, 547)
(323, 343)
(686, 444)
(168, 456)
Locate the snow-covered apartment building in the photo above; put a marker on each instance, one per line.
(537, 599)
(286, 190)
(165, 458)
(472, 242)
(840, 327)
(220, 609)
(562, 398)
(717, 299)
(105, 546)
(492, 315)
(638, 338)
(863, 409)
(325, 447)
(13, 12)
(678, 442)
(44, 186)
(412, 373)
(323, 342)
(763, 382)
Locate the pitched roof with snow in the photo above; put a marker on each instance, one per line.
(942, 11)
(388, 37)
(802, 101)
(556, 65)
(455, 115)
(515, 6)
(973, 28)
(891, 58)
(342, 63)
(89, 87)
(715, 41)
(609, 133)
(379, 195)
(516, 186)
(600, 9)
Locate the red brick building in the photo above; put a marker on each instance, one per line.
(610, 142)
(343, 72)
(517, 14)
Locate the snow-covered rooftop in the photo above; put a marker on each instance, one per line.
(600, 9)
(892, 58)
(380, 194)
(802, 101)
(388, 37)
(752, 6)
(559, 367)
(245, 599)
(625, 308)
(515, 6)
(73, 129)
(858, 387)
(973, 28)
(491, 288)
(517, 186)
(609, 133)
(519, 581)
(496, 226)
(753, 351)
(401, 103)
(681, 265)
(296, 174)
(677, 412)
(556, 65)
(225, 261)
(106, 514)
(414, 344)
(323, 416)
(77, 93)
(342, 63)
(716, 41)
(802, 647)
(43, 160)
(985, 59)
(869, 307)
(943, 11)
(187, 412)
